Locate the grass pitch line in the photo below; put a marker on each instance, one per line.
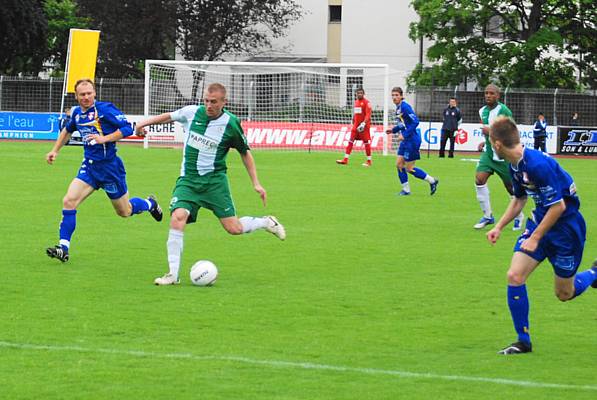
(298, 365)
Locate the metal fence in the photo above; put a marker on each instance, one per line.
(556, 104)
(44, 95)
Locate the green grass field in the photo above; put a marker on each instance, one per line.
(371, 296)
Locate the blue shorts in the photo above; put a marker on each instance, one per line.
(409, 150)
(563, 244)
(105, 174)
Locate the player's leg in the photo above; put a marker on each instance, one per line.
(521, 267)
(402, 174)
(348, 150)
(483, 172)
(184, 208)
(77, 192)
(174, 246)
(113, 181)
(420, 174)
(126, 207)
(504, 174)
(219, 200)
(367, 142)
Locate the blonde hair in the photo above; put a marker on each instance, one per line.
(84, 80)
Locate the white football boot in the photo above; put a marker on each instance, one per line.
(276, 228)
(167, 279)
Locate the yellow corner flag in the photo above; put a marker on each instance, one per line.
(81, 57)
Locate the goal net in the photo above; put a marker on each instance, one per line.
(286, 106)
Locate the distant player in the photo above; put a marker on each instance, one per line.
(557, 230)
(361, 125)
(489, 163)
(409, 143)
(100, 125)
(210, 132)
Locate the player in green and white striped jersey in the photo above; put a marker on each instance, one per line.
(210, 132)
(489, 162)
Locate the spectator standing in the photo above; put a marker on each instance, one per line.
(540, 133)
(452, 120)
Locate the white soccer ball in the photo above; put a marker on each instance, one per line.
(204, 273)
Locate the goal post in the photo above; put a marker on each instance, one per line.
(285, 106)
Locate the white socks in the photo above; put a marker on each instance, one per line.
(251, 224)
(483, 197)
(175, 240)
(429, 178)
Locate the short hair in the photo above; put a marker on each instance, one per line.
(453, 98)
(494, 87)
(504, 129)
(541, 114)
(398, 89)
(360, 89)
(216, 87)
(84, 80)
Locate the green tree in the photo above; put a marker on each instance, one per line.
(517, 43)
(210, 29)
(61, 16)
(131, 32)
(23, 28)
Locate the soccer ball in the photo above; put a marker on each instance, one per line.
(204, 273)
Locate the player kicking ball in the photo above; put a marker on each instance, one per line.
(557, 230)
(409, 140)
(210, 132)
(361, 126)
(101, 125)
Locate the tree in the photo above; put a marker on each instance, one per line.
(23, 28)
(131, 32)
(210, 29)
(61, 16)
(517, 43)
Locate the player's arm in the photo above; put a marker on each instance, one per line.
(249, 163)
(552, 215)
(514, 208)
(62, 139)
(164, 118)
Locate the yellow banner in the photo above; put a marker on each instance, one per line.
(82, 56)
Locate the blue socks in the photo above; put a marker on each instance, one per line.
(518, 302)
(402, 175)
(418, 173)
(139, 205)
(67, 227)
(583, 280)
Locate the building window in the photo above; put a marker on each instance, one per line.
(335, 14)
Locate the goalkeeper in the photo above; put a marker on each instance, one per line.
(361, 124)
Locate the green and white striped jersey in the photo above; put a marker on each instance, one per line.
(488, 115)
(207, 141)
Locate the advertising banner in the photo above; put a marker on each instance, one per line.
(16, 125)
(578, 141)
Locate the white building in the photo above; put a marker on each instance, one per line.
(352, 31)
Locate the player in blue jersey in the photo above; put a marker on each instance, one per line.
(555, 231)
(409, 142)
(101, 125)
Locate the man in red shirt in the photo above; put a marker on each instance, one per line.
(361, 124)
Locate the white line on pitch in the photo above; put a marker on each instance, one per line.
(300, 365)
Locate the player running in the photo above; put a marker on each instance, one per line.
(361, 125)
(101, 125)
(409, 140)
(489, 163)
(557, 230)
(210, 132)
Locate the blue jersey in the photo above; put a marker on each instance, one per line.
(102, 118)
(406, 116)
(541, 177)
